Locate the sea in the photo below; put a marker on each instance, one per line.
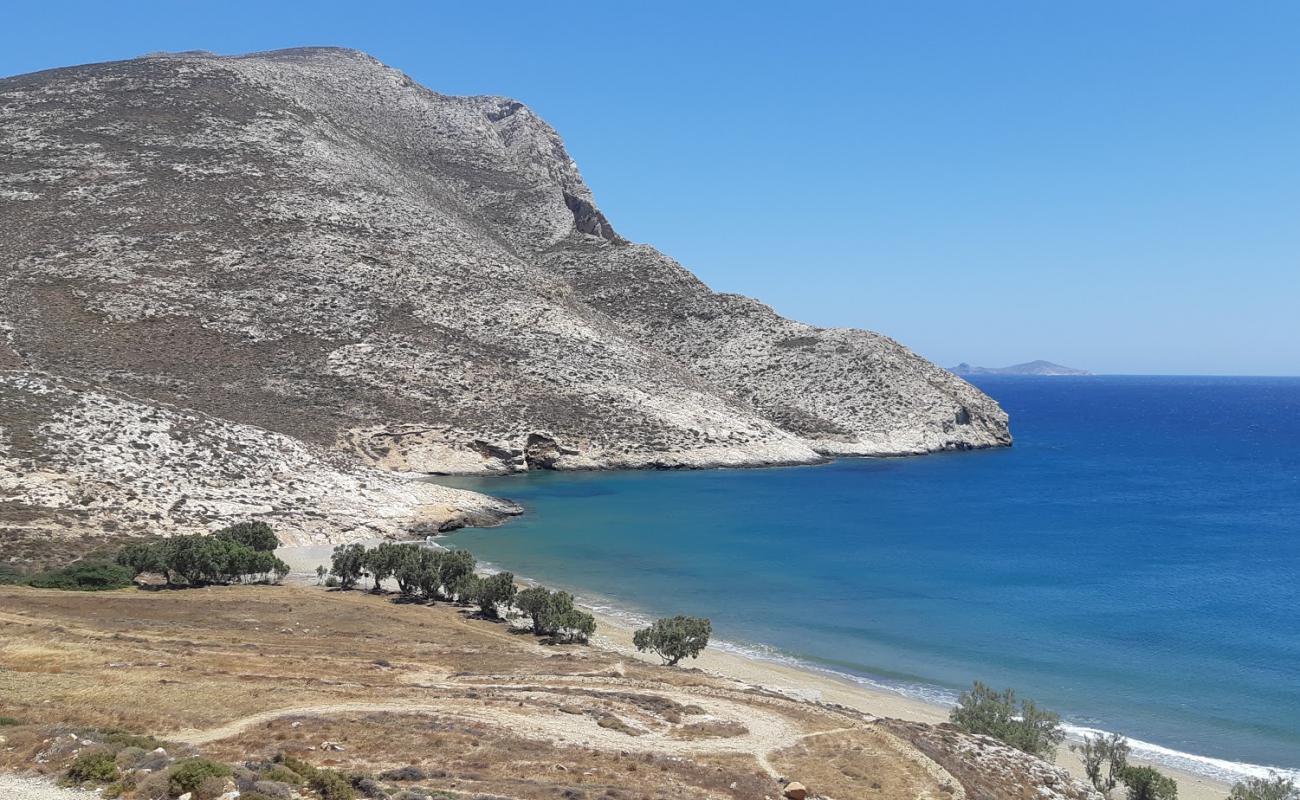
(1132, 562)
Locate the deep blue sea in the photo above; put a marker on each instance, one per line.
(1133, 562)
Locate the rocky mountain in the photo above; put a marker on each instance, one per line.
(1028, 368)
(307, 249)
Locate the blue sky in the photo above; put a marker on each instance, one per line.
(1111, 185)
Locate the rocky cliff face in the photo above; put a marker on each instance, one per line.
(308, 243)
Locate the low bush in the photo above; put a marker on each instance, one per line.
(1022, 725)
(282, 774)
(327, 783)
(404, 774)
(9, 721)
(272, 789)
(189, 775)
(121, 738)
(1146, 783)
(153, 786)
(95, 766)
(84, 577)
(369, 787)
(130, 757)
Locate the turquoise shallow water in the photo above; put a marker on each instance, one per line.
(1133, 562)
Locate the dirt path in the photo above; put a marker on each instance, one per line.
(766, 731)
(17, 787)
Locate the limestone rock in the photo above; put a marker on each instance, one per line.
(794, 790)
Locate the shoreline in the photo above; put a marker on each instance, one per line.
(794, 680)
(811, 685)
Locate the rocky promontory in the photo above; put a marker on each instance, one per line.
(309, 245)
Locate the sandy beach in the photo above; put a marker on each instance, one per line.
(810, 685)
(615, 634)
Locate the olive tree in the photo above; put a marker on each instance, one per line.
(142, 557)
(1104, 758)
(456, 573)
(674, 638)
(534, 601)
(493, 591)
(573, 625)
(253, 535)
(348, 564)
(387, 560)
(1022, 725)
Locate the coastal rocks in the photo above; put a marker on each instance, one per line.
(307, 243)
(75, 458)
(987, 767)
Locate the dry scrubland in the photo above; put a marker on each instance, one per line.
(361, 684)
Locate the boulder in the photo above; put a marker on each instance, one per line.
(794, 790)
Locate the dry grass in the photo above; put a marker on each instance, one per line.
(247, 672)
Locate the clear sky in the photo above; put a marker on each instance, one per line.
(1110, 185)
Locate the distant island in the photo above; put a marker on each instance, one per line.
(1028, 368)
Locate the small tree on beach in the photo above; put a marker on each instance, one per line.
(426, 570)
(534, 601)
(1024, 726)
(1104, 758)
(348, 564)
(1146, 783)
(675, 638)
(321, 572)
(455, 569)
(573, 626)
(1274, 787)
(493, 591)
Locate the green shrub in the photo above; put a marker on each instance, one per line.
(331, 582)
(282, 774)
(96, 766)
(1146, 783)
(189, 775)
(121, 738)
(1274, 787)
(327, 783)
(9, 721)
(332, 786)
(84, 577)
(1024, 726)
(129, 757)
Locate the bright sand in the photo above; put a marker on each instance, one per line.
(807, 684)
